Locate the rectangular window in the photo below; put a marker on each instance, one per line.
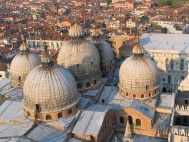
(186, 101)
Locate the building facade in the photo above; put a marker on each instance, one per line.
(170, 53)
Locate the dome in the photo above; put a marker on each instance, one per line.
(22, 64)
(82, 59)
(106, 53)
(50, 90)
(76, 31)
(138, 76)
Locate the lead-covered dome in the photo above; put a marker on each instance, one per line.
(50, 91)
(105, 51)
(82, 59)
(22, 64)
(138, 76)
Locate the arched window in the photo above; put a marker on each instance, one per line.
(78, 85)
(142, 96)
(130, 120)
(19, 78)
(126, 94)
(121, 120)
(37, 107)
(138, 122)
(147, 87)
(182, 78)
(77, 106)
(28, 113)
(167, 63)
(150, 94)
(172, 64)
(103, 101)
(164, 89)
(181, 64)
(48, 117)
(60, 115)
(134, 95)
(88, 84)
(169, 79)
(69, 111)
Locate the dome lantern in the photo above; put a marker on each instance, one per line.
(95, 34)
(76, 32)
(24, 48)
(46, 59)
(138, 50)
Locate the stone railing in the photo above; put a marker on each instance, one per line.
(182, 108)
(180, 130)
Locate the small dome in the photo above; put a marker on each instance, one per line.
(23, 47)
(138, 76)
(52, 88)
(21, 65)
(82, 59)
(138, 49)
(76, 31)
(106, 53)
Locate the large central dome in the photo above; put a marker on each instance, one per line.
(82, 59)
(50, 90)
(138, 76)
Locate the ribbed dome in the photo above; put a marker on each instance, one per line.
(106, 53)
(76, 31)
(54, 88)
(138, 49)
(138, 75)
(21, 65)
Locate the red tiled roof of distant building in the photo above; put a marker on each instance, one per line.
(3, 66)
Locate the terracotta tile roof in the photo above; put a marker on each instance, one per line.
(3, 66)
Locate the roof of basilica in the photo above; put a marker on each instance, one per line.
(159, 41)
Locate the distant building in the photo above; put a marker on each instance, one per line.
(170, 52)
(185, 30)
(4, 70)
(55, 41)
